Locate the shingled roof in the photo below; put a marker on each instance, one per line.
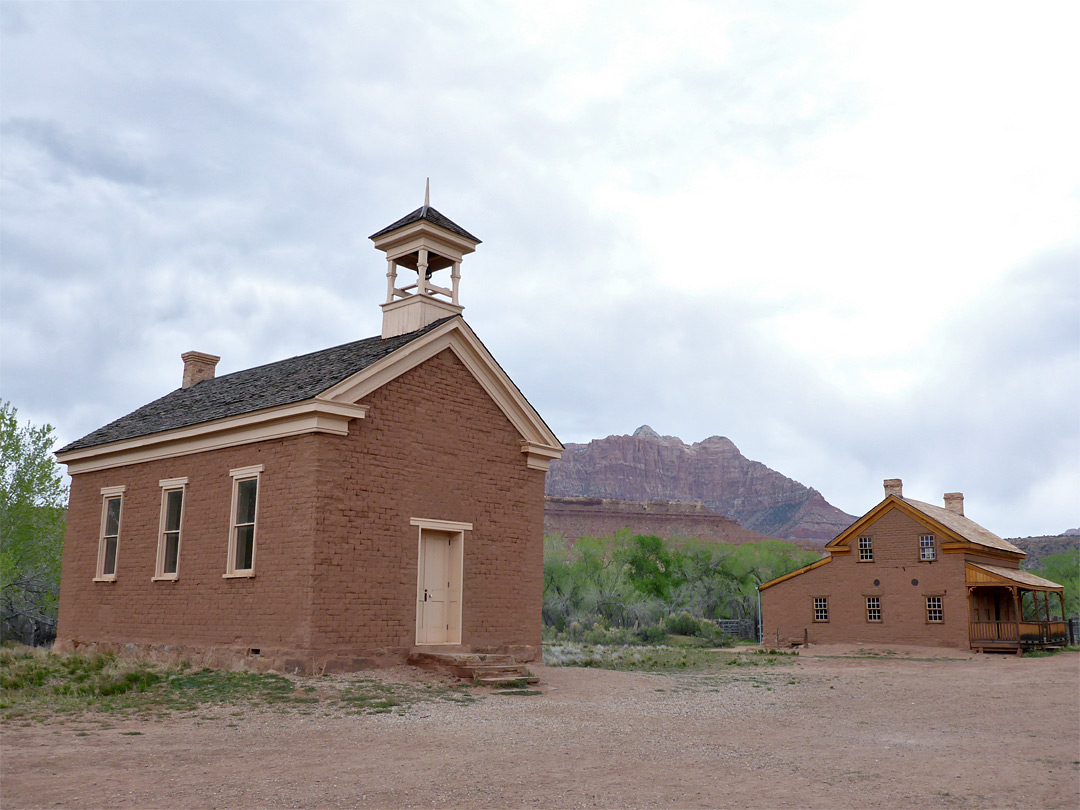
(254, 389)
(426, 212)
(965, 527)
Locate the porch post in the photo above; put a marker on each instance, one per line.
(1018, 605)
(1046, 607)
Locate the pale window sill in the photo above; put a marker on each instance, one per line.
(107, 578)
(239, 575)
(165, 578)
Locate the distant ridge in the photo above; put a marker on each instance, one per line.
(648, 467)
(572, 518)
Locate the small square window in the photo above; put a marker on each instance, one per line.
(927, 549)
(241, 559)
(109, 537)
(934, 611)
(873, 608)
(866, 549)
(821, 608)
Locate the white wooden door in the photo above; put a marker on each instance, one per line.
(433, 596)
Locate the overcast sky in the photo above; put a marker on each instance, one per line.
(844, 235)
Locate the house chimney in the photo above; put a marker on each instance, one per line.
(954, 502)
(198, 366)
(894, 486)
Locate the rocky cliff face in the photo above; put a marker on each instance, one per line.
(572, 518)
(649, 467)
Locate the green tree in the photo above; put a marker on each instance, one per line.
(1064, 569)
(650, 566)
(33, 496)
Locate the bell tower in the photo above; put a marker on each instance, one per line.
(424, 242)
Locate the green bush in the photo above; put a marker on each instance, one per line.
(682, 624)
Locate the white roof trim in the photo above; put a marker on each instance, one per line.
(309, 416)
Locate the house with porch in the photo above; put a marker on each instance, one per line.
(913, 573)
(343, 508)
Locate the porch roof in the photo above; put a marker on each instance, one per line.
(1011, 576)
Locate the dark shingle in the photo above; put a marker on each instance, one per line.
(253, 389)
(426, 212)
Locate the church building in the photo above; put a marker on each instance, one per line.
(330, 511)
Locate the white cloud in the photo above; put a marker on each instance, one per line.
(843, 235)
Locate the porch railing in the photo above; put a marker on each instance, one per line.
(1019, 633)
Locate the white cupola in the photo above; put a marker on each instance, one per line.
(425, 242)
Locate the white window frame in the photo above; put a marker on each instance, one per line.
(239, 475)
(939, 608)
(109, 494)
(821, 608)
(866, 550)
(927, 551)
(169, 485)
(873, 605)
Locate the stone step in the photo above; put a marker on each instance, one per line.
(485, 668)
(504, 680)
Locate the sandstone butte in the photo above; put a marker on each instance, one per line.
(711, 475)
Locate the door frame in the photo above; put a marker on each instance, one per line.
(457, 559)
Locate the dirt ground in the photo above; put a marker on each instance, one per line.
(914, 728)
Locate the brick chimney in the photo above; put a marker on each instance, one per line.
(954, 502)
(894, 486)
(198, 366)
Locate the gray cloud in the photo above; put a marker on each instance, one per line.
(204, 176)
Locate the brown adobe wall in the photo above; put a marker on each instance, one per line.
(333, 539)
(434, 445)
(201, 611)
(787, 607)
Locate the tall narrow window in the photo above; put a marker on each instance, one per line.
(934, 611)
(241, 562)
(927, 549)
(821, 608)
(109, 538)
(866, 549)
(873, 608)
(172, 513)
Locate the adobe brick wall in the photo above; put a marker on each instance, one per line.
(435, 446)
(336, 556)
(787, 607)
(200, 610)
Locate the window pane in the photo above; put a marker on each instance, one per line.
(173, 504)
(112, 517)
(245, 500)
(245, 546)
(109, 565)
(172, 549)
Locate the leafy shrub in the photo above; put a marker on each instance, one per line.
(682, 624)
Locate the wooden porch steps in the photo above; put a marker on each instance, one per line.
(490, 669)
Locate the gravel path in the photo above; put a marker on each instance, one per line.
(958, 731)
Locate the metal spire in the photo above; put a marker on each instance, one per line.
(427, 193)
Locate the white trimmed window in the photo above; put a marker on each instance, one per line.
(245, 499)
(109, 538)
(866, 549)
(873, 608)
(172, 517)
(927, 548)
(821, 608)
(935, 613)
